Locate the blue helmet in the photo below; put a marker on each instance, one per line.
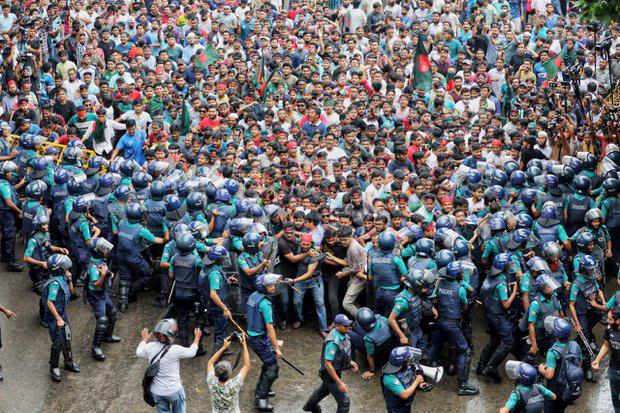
(232, 186)
(61, 176)
(80, 205)
(237, 226)
(140, 180)
(134, 211)
(417, 232)
(497, 224)
(222, 195)
(366, 318)
(39, 221)
(532, 172)
(179, 229)
(75, 143)
(549, 210)
(528, 196)
(499, 191)
(122, 193)
(115, 168)
(551, 181)
(185, 243)
(242, 206)
(386, 241)
(250, 242)
(210, 191)
(517, 178)
(499, 178)
(216, 252)
(582, 184)
(520, 236)
(454, 269)
(474, 176)
(587, 266)
(590, 162)
(524, 221)
(510, 167)
(500, 262)
(584, 239)
(58, 263)
(536, 163)
(611, 186)
(74, 186)
(126, 168)
(39, 168)
(199, 230)
(95, 163)
(195, 201)
(172, 203)
(36, 189)
(425, 247)
(105, 183)
(559, 327)
(255, 211)
(523, 373)
(444, 221)
(71, 155)
(271, 211)
(415, 279)
(400, 357)
(460, 248)
(444, 257)
(158, 190)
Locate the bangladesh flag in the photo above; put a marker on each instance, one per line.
(552, 66)
(185, 120)
(422, 77)
(207, 57)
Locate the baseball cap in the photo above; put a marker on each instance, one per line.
(343, 320)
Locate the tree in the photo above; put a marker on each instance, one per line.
(606, 11)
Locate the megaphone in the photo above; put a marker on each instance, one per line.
(434, 374)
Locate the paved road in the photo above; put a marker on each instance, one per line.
(114, 385)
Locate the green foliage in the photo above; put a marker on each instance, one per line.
(606, 11)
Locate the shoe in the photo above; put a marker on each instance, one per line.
(493, 374)
(263, 405)
(55, 374)
(112, 339)
(74, 296)
(466, 389)
(123, 307)
(296, 325)
(158, 302)
(479, 369)
(272, 393)
(72, 367)
(282, 325)
(316, 409)
(451, 371)
(589, 376)
(97, 353)
(12, 267)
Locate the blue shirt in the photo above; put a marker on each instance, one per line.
(131, 146)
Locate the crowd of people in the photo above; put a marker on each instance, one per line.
(404, 163)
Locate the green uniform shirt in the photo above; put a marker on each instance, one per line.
(54, 288)
(266, 309)
(392, 383)
(331, 348)
(514, 399)
(400, 303)
(553, 356)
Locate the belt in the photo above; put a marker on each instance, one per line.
(387, 289)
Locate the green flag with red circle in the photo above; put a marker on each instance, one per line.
(422, 77)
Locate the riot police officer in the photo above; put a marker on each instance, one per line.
(251, 265)
(219, 213)
(133, 237)
(494, 295)
(55, 300)
(195, 206)
(451, 298)
(577, 204)
(79, 237)
(98, 298)
(32, 206)
(94, 166)
(37, 252)
(215, 289)
(99, 206)
(386, 269)
(529, 396)
(548, 227)
(377, 338)
(9, 208)
(400, 379)
(263, 338)
(423, 258)
(140, 183)
(58, 195)
(335, 358)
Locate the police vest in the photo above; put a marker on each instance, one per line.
(58, 195)
(491, 305)
(547, 308)
(14, 197)
(128, 240)
(185, 270)
(224, 286)
(413, 314)
(249, 282)
(449, 303)
(381, 333)
(29, 212)
(613, 215)
(342, 358)
(393, 401)
(225, 211)
(547, 233)
(62, 299)
(116, 212)
(98, 265)
(577, 209)
(256, 322)
(155, 213)
(419, 263)
(586, 289)
(99, 210)
(143, 194)
(531, 400)
(90, 183)
(384, 270)
(40, 252)
(558, 274)
(75, 236)
(559, 203)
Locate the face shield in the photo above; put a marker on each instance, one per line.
(429, 277)
(65, 263)
(415, 354)
(538, 265)
(513, 369)
(549, 323)
(103, 246)
(548, 285)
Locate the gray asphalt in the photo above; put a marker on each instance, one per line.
(114, 385)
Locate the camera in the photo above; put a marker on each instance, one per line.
(235, 337)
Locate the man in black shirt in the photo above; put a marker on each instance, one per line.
(528, 153)
(611, 343)
(334, 262)
(63, 106)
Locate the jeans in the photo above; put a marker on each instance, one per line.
(354, 289)
(332, 283)
(315, 285)
(614, 387)
(170, 404)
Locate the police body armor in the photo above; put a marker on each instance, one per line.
(58, 195)
(448, 301)
(75, 237)
(530, 401)
(613, 215)
(249, 283)
(62, 300)
(185, 271)
(29, 212)
(41, 248)
(417, 263)
(547, 233)
(143, 194)
(225, 212)
(256, 322)
(547, 308)
(393, 401)
(342, 359)
(384, 270)
(587, 289)
(90, 183)
(491, 306)
(155, 213)
(382, 331)
(224, 286)
(99, 210)
(413, 316)
(128, 240)
(577, 209)
(14, 197)
(559, 202)
(558, 274)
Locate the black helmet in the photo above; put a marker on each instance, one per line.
(582, 184)
(185, 243)
(134, 212)
(366, 318)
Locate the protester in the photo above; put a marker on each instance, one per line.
(224, 390)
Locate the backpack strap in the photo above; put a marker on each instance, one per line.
(160, 354)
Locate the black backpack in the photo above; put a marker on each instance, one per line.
(150, 374)
(569, 375)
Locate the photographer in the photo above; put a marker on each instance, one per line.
(223, 390)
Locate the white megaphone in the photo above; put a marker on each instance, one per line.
(434, 374)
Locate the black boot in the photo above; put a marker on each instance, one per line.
(262, 405)
(464, 388)
(14, 267)
(123, 295)
(100, 330)
(55, 351)
(68, 356)
(485, 355)
(109, 335)
(496, 359)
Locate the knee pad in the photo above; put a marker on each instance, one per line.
(103, 323)
(272, 371)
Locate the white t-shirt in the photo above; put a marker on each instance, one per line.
(168, 379)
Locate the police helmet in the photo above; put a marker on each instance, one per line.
(366, 318)
(386, 241)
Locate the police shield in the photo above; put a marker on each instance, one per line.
(103, 246)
